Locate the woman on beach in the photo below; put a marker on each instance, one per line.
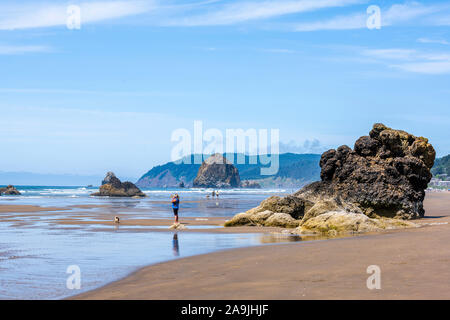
(175, 206)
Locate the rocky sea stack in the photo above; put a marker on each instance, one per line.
(9, 191)
(217, 172)
(378, 184)
(113, 187)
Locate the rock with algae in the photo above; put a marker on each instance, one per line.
(343, 221)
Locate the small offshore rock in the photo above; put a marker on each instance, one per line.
(113, 187)
(9, 191)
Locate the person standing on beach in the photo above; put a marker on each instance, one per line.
(175, 206)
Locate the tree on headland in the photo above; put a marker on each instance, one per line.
(441, 166)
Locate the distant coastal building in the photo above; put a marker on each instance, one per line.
(444, 184)
(439, 183)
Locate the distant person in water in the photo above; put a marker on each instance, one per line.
(175, 206)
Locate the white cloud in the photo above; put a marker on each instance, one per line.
(394, 15)
(406, 12)
(34, 14)
(356, 21)
(41, 15)
(399, 54)
(435, 41)
(308, 146)
(239, 12)
(13, 49)
(206, 13)
(412, 60)
(438, 67)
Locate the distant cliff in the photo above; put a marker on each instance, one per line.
(295, 170)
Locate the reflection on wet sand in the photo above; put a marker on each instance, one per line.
(279, 237)
(175, 244)
(124, 203)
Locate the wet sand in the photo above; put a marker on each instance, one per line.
(25, 215)
(26, 208)
(414, 265)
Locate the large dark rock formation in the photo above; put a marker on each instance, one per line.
(217, 172)
(384, 176)
(113, 187)
(9, 191)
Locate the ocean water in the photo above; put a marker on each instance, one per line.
(35, 252)
(157, 202)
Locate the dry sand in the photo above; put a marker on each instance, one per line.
(415, 264)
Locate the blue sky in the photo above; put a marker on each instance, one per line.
(108, 96)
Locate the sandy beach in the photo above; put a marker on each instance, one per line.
(414, 262)
(25, 215)
(414, 265)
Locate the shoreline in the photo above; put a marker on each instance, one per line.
(414, 265)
